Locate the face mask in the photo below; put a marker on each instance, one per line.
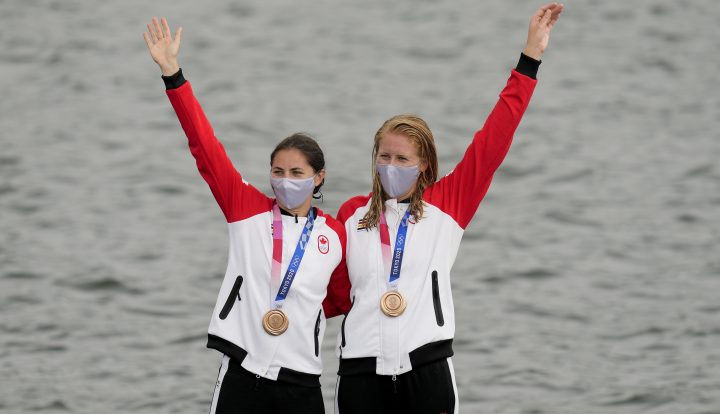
(397, 181)
(292, 193)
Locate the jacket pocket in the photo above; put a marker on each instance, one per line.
(317, 334)
(234, 292)
(436, 299)
(342, 326)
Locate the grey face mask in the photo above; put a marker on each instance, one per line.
(291, 193)
(396, 181)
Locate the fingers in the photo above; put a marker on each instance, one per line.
(556, 13)
(548, 14)
(148, 40)
(158, 29)
(153, 36)
(554, 16)
(546, 17)
(552, 6)
(178, 35)
(541, 11)
(166, 29)
(555, 8)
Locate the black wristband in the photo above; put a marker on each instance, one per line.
(175, 80)
(528, 66)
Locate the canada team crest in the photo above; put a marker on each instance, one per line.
(323, 244)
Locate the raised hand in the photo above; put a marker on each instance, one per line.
(541, 24)
(163, 47)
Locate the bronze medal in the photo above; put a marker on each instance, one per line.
(275, 322)
(392, 303)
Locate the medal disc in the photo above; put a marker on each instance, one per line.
(392, 303)
(275, 322)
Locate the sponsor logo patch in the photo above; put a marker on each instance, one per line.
(323, 244)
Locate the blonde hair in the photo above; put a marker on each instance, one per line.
(419, 134)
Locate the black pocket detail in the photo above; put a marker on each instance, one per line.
(234, 292)
(436, 299)
(342, 327)
(317, 334)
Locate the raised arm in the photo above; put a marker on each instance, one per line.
(460, 192)
(236, 198)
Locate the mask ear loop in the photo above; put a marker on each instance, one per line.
(317, 194)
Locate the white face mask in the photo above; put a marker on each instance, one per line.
(396, 181)
(291, 193)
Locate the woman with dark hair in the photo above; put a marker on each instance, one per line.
(285, 257)
(395, 343)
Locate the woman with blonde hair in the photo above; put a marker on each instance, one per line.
(395, 343)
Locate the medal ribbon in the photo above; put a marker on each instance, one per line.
(393, 259)
(291, 272)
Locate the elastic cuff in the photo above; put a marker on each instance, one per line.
(175, 80)
(528, 66)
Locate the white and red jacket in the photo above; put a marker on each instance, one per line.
(246, 292)
(370, 341)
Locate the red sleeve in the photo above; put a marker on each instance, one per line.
(337, 301)
(236, 199)
(460, 192)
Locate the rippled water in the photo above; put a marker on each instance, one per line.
(587, 283)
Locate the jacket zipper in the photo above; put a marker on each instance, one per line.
(234, 292)
(342, 326)
(317, 334)
(436, 299)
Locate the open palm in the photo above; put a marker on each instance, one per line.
(163, 46)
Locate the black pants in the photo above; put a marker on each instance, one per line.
(428, 389)
(239, 391)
